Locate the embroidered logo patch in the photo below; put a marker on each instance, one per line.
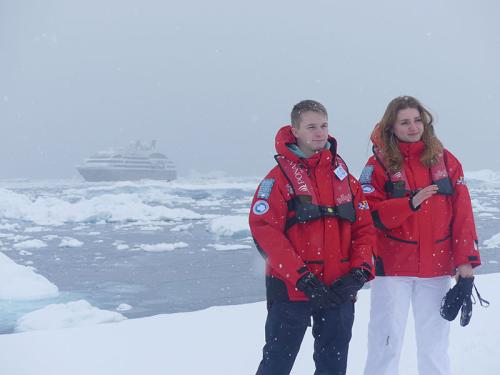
(265, 188)
(366, 175)
(260, 207)
(340, 173)
(461, 181)
(363, 205)
(368, 189)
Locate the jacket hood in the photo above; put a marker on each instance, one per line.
(284, 138)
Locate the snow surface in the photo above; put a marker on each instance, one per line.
(225, 340)
(66, 315)
(19, 282)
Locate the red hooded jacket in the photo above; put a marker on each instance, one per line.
(435, 238)
(327, 246)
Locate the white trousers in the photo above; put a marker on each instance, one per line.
(390, 302)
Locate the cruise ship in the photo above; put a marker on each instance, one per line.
(138, 161)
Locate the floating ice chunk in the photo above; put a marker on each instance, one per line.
(483, 206)
(30, 244)
(229, 225)
(19, 282)
(14, 237)
(65, 315)
(163, 246)
(94, 233)
(122, 246)
(123, 307)
(70, 242)
(11, 227)
(492, 242)
(151, 228)
(243, 210)
(222, 247)
(24, 253)
(80, 227)
(50, 237)
(34, 229)
(182, 228)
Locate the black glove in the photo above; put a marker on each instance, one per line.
(315, 290)
(458, 297)
(345, 288)
(466, 312)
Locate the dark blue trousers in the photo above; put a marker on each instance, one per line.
(286, 325)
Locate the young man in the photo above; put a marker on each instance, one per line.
(311, 223)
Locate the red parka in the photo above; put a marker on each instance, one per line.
(327, 246)
(435, 238)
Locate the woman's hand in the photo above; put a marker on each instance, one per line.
(465, 271)
(423, 195)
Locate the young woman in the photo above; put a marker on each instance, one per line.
(426, 232)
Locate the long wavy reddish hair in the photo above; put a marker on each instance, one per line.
(384, 138)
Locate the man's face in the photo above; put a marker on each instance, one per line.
(312, 133)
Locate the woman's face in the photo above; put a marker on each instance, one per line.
(409, 126)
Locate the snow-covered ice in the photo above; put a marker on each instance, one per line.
(163, 246)
(66, 315)
(123, 307)
(224, 247)
(225, 340)
(19, 282)
(229, 225)
(30, 244)
(116, 207)
(493, 242)
(70, 242)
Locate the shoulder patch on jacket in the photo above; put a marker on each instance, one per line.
(265, 188)
(260, 207)
(363, 205)
(366, 175)
(368, 189)
(461, 181)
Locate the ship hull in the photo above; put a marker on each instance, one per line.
(101, 174)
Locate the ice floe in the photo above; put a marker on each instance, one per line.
(70, 242)
(66, 315)
(30, 244)
(162, 246)
(229, 225)
(19, 282)
(222, 247)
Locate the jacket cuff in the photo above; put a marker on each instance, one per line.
(413, 208)
(473, 259)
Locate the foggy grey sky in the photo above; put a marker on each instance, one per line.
(212, 81)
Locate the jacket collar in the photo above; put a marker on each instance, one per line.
(286, 145)
(414, 149)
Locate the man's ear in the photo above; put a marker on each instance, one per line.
(294, 131)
